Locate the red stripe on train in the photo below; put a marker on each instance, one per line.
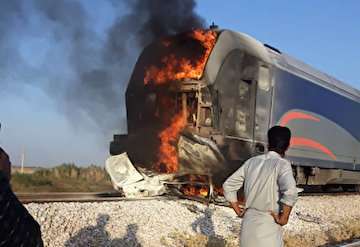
(296, 115)
(304, 142)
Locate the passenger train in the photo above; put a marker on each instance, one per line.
(245, 88)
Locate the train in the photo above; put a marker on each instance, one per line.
(243, 88)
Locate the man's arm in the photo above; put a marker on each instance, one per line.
(282, 218)
(231, 187)
(288, 194)
(238, 210)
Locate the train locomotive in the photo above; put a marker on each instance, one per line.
(241, 89)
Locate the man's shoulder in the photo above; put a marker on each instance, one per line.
(277, 160)
(285, 160)
(261, 157)
(256, 158)
(284, 163)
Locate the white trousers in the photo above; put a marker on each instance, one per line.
(258, 229)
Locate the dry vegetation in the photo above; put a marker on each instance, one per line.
(198, 240)
(63, 178)
(332, 236)
(339, 232)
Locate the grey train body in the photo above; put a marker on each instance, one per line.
(246, 88)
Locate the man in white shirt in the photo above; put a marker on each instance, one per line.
(270, 192)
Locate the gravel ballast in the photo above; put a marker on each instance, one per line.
(315, 221)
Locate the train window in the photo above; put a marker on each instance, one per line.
(263, 78)
(235, 86)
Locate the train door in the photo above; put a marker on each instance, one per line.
(263, 107)
(236, 93)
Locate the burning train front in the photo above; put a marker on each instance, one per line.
(191, 104)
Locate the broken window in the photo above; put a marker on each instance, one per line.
(235, 86)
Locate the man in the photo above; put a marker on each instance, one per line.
(17, 226)
(5, 166)
(270, 192)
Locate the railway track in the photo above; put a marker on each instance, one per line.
(354, 244)
(68, 197)
(328, 193)
(116, 196)
(94, 197)
(87, 197)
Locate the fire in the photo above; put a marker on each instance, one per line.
(191, 190)
(196, 189)
(184, 56)
(167, 158)
(174, 68)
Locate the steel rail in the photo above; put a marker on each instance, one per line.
(81, 197)
(353, 244)
(66, 196)
(348, 243)
(116, 196)
(336, 193)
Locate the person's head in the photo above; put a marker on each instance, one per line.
(279, 139)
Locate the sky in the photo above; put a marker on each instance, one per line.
(322, 33)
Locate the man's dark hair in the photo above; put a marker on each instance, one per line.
(279, 139)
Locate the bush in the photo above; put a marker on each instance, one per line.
(63, 178)
(30, 180)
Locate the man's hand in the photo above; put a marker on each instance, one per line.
(238, 208)
(282, 218)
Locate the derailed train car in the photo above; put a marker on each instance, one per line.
(215, 115)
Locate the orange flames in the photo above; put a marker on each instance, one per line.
(181, 62)
(196, 189)
(191, 190)
(167, 158)
(173, 68)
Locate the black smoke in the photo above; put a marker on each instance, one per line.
(84, 70)
(156, 18)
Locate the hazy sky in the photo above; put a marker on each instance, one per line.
(322, 33)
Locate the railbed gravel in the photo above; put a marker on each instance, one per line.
(315, 221)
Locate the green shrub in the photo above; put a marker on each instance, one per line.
(63, 178)
(30, 180)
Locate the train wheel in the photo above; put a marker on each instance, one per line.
(326, 188)
(357, 187)
(331, 188)
(347, 187)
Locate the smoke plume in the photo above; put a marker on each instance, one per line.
(80, 58)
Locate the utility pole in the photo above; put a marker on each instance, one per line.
(22, 161)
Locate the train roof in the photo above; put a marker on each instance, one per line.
(298, 67)
(229, 40)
